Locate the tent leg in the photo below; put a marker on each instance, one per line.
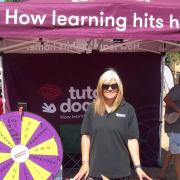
(161, 110)
(2, 84)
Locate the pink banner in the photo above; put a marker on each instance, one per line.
(94, 19)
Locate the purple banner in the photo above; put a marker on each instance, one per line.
(132, 19)
(60, 86)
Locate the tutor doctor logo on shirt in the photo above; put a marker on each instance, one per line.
(74, 104)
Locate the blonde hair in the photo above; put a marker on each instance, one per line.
(99, 103)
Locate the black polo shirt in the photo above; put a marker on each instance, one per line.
(109, 135)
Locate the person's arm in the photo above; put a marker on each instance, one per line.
(133, 147)
(85, 148)
(21, 111)
(171, 104)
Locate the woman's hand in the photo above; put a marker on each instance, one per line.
(142, 175)
(83, 172)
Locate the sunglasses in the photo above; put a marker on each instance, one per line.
(107, 86)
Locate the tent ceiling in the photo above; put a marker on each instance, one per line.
(165, 2)
(65, 45)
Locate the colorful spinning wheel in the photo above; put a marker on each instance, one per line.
(29, 148)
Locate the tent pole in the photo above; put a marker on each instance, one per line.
(161, 104)
(2, 84)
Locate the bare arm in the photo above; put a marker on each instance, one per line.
(85, 148)
(171, 104)
(133, 147)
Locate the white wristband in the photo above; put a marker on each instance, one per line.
(85, 162)
(137, 166)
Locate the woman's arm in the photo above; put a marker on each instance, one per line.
(85, 148)
(133, 147)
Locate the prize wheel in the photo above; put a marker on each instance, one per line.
(30, 148)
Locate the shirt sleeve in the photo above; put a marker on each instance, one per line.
(173, 93)
(133, 130)
(85, 127)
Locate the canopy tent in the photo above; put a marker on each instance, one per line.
(48, 38)
(84, 19)
(155, 19)
(19, 36)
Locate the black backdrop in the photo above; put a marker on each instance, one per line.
(65, 84)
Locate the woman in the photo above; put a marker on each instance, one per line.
(109, 130)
